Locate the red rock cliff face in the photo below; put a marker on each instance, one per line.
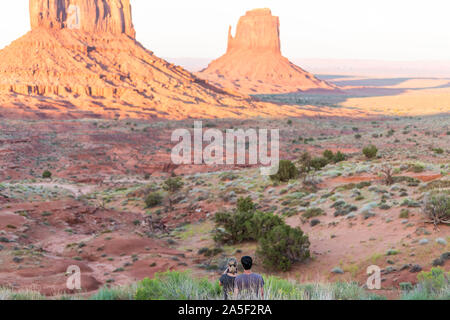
(96, 16)
(253, 63)
(258, 30)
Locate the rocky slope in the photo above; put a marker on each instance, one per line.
(253, 63)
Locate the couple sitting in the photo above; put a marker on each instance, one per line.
(248, 286)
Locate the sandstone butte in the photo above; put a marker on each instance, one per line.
(98, 69)
(253, 63)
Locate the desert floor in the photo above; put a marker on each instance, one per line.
(92, 212)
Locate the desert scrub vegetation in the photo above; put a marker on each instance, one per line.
(282, 246)
(172, 186)
(175, 285)
(286, 171)
(370, 151)
(46, 174)
(115, 293)
(432, 285)
(436, 208)
(153, 199)
(279, 244)
(334, 157)
(181, 285)
(313, 212)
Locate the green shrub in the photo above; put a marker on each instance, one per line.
(172, 186)
(404, 214)
(328, 154)
(239, 226)
(319, 163)
(435, 280)
(432, 285)
(437, 208)
(47, 174)
(153, 199)
(339, 157)
(282, 246)
(115, 293)
(370, 151)
(245, 204)
(312, 212)
(287, 171)
(334, 158)
(233, 227)
(417, 168)
(279, 244)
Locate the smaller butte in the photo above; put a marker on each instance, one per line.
(253, 63)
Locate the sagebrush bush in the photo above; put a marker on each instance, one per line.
(319, 163)
(286, 171)
(339, 157)
(334, 158)
(313, 212)
(176, 285)
(153, 199)
(437, 208)
(115, 293)
(370, 151)
(46, 174)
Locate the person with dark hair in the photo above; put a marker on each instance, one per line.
(249, 285)
(227, 279)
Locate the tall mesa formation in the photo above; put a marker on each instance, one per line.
(96, 16)
(253, 63)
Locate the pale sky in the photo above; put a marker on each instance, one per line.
(320, 29)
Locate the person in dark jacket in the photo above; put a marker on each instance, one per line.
(227, 279)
